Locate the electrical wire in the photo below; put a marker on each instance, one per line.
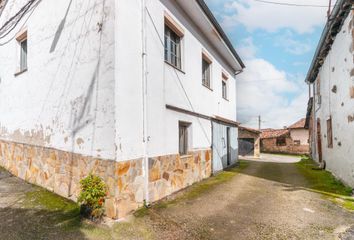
(11, 24)
(291, 4)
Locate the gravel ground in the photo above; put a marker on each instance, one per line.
(266, 200)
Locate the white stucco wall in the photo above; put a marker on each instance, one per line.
(86, 95)
(66, 98)
(165, 85)
(300, 134)
(336, 71)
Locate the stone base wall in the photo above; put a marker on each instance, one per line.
(171, 173)
(270, 146)
(61, 172)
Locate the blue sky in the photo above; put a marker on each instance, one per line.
(277, 44)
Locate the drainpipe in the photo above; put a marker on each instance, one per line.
(144, 95)
(314, 121)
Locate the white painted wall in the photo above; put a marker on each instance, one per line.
(66, 98)
(182, 89)
(336, 71)
(165, 84)
(300, 134)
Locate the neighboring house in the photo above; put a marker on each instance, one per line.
(291, 140)
(141, 93)
(331, 103)
(249, 141)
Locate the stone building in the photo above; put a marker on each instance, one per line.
(141, 93)
(249, 142)
(291, 140)
(331, 103)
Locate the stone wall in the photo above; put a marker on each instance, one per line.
(269, 146)
(61, 172)
(172, 173)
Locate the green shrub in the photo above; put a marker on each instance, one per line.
(92, 196)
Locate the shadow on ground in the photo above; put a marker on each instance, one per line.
(304, 175)
(17, 223)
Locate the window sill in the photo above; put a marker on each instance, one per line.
(171, 65)
(20, 72)
(207, 87)
(185, 156)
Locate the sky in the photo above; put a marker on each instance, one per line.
(277, 44)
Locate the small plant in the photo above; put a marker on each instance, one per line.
(92, 197)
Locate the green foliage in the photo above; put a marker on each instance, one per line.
(320, 179)
(324, 182)
(92, 196)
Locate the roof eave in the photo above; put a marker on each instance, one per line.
(217, 26)
(324, 45)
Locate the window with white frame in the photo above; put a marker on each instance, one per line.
(206, 73)
(183, 137)
(224, 86)
(22, 45)
(172, 48)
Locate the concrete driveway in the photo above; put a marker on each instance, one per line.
(276, 158)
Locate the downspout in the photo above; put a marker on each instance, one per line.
(314, 122)
(145, 165)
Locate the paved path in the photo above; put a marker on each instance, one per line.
(265, 157)
(266, 201)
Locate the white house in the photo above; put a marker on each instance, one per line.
(331, 106)
(140, 92)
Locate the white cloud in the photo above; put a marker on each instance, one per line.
(256, 15)
(247, 49)
(262, 90)
(292, 46)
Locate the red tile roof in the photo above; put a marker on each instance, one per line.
(249, 129)
(299, 124)
(274, 133)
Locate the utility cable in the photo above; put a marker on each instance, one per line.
(291, 4)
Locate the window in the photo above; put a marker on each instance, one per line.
(22, 52)
(172, 48)
(23, 55)
(183, 138)
(206, 73)
(281, 142)
(329, 133)
(297, 142)
(224, 89)
(318, 90)
(224, 86)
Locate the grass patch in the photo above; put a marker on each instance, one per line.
(285, 154)
(324, 182)
(60, 211)
(135, 229)
(196, 189)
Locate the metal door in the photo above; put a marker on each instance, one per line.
(246, 146)
(225, 149)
